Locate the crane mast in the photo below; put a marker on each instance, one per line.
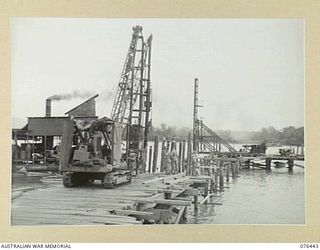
(132, 105)
(136, 70)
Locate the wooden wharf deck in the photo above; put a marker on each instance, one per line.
(150, 198)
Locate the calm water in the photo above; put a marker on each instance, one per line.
(257, 197)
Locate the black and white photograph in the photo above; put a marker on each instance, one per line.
(157, 121)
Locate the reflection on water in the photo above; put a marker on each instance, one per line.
(257, 197)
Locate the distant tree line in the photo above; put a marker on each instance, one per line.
(227, 135)
(169, 132)
(290, 136)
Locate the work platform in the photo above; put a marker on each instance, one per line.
(150, 198)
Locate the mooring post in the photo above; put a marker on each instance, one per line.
(195, 202)
(155, 154)
(290, 164)
(211, 185)
(192, 165)
(221, 184)
(268, 164)
(221, 181)
(216, 180)
(247, 163)
(150, 158)
(233, 169)
(188, 155)
(180, 157)
(183, 155)
(206, 188)
(209, 169)
(163, 156)
(228, 171)
(237, 167)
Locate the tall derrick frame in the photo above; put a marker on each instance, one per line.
(132, 105)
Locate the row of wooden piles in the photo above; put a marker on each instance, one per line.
(211, 175)
(179, 154)
(169, 151)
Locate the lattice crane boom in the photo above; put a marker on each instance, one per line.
(132, 105)
(121, 100)
(135, 70)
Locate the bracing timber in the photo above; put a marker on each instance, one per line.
(205, 139)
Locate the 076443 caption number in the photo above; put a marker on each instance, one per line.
(308, 245)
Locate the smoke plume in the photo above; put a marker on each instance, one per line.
(74, 94)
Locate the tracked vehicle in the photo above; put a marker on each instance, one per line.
(93, 152)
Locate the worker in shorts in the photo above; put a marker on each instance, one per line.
(174, 161)
(167, 163)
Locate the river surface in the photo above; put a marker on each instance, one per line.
(254, 197)
(257, 197)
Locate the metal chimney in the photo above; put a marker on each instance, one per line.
(48, 107)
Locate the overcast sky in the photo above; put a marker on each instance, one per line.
(251, 71)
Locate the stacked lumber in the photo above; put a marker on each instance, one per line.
(92, 204)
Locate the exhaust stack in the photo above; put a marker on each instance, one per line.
(48, 107)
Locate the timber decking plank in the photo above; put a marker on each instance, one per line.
(79, 200)
(92, 204)
(132, 212)
(173, 202)
(20, 220)
(76, 206)
(52, 214)
(71, 208)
